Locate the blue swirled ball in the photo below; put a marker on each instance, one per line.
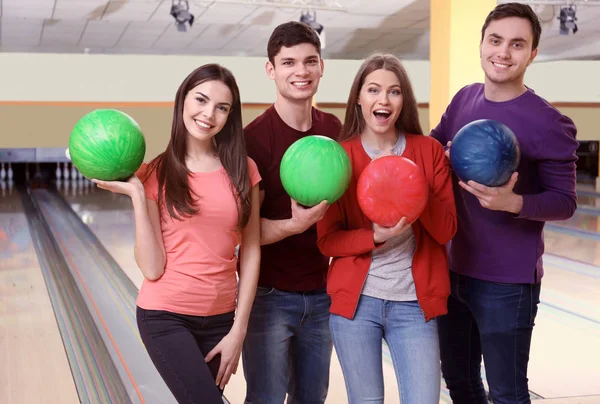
(485, 151)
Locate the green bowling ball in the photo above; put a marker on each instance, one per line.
(315, 168)
(107, 144)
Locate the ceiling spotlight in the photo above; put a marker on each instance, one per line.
(310, 18)
(180, 10)
(567, 20)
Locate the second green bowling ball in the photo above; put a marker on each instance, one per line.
(107, 144)
(315, 168)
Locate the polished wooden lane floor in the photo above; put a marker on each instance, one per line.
(564, 356)
(33, 364)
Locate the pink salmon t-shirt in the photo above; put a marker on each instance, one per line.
(200, 271)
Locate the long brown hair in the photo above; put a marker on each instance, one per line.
(170, 166)
(407, 122)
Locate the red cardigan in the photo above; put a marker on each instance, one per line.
(346, 234)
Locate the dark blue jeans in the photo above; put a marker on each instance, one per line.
(288, 348)
(494, 320)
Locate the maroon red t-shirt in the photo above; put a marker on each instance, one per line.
(294, 263)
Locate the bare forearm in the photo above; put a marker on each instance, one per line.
(249, 271)
(148, 250)
(272, 231)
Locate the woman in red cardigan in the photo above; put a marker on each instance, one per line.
(388, 283)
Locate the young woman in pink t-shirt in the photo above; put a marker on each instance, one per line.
(193, 205)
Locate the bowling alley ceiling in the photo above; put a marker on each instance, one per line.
(353, 28)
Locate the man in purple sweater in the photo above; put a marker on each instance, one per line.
(496, 255)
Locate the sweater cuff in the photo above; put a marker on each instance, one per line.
(527, 208)
(367, 239)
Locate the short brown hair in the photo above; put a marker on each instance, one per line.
(515, 10)
(291, 34)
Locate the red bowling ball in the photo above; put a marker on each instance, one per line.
(390, 188)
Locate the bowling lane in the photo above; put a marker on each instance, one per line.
(569, 311)
(111, 219)
(589, 202)
(33, 363)
(582, 220)
(573, 247)
(564, 352)
(577, 238)
(588, 199)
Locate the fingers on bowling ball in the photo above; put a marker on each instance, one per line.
(402, 222)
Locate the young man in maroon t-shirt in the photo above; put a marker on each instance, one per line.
(288, 345)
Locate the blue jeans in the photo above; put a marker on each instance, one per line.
(413, 346)
(288, 347)
(494, 320)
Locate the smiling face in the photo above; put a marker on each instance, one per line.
(380, 101)
(506, 50)
(296, 71)
(206, 109)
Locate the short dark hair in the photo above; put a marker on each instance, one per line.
(515, 10)
(291, 34)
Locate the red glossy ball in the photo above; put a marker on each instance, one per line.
(390, 188)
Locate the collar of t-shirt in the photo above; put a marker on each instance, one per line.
(398, 148)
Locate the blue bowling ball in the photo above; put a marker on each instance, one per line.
(485, 151)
